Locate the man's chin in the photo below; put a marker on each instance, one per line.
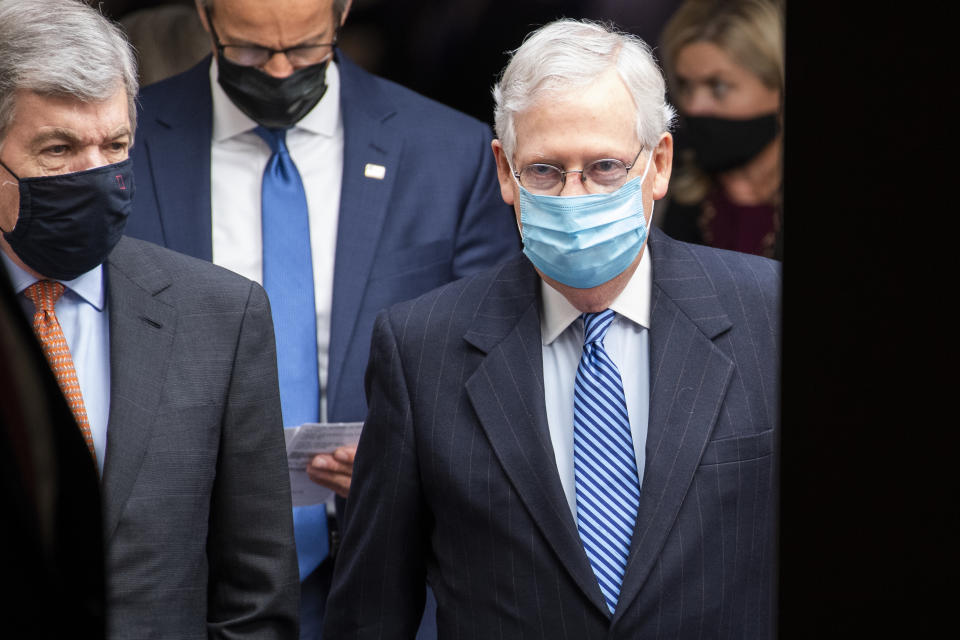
(600, 297)
(594, 299)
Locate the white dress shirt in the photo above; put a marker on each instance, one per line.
(238, 157)
(85, 322)
(628, 345)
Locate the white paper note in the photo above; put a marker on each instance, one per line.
(306, 441)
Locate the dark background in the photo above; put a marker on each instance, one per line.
(869, 501)
(453, 50)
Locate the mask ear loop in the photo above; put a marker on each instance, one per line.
(10, 171)
(4, 183)
(652, 201)
(647, 168)
(513, 174)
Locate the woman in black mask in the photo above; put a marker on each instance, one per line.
(724, 63)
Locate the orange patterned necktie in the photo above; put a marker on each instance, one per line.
(44, 295)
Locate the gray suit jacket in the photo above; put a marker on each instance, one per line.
(456, 483)
(196, 496)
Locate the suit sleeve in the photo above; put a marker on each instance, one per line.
(487, 231)
(378, 582)
(253, 585)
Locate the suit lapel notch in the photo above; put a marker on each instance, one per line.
(142, 328)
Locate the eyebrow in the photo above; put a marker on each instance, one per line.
(120, 132)
(719, 74)
(54, 134)
(542, 159)
(69, 136)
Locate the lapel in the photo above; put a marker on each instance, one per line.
(507, 393)
(368, 138)
(689, 376)
(141, 336)
(177, 147)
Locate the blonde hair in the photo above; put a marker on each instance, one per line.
(751, 32)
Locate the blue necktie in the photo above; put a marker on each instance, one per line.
(604, 460)
(288, 280)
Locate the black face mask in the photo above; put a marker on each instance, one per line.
(721, 144)
(275, 103)
(69, 223)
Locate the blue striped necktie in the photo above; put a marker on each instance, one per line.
(604, 460)
(288, 280)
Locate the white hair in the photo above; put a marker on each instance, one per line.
(62, 48)
(570, 54)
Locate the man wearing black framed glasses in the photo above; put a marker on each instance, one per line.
(340, 192)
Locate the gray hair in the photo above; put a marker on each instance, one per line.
(62, 48)
(339, 6)
(567, 54)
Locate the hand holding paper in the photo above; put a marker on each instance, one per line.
(333, 470)
(320, 460)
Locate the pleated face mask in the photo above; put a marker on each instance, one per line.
(586, 240)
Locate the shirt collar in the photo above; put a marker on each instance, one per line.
(88, 286)
(633, 303)
(229, 121)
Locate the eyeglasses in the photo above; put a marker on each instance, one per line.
(253, 55)
(600, 176)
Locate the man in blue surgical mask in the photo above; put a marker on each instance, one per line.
(578, 442)
(167, 363)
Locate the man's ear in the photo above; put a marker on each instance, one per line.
(206, 26)
(663, 162)
(508, 187)
(346, 10)
(203, 15)
(9, 200)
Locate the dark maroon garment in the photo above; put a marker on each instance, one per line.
(738, 227)
(718, 222)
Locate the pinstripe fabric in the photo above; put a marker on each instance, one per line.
(604, 463)
(455, 480)
(44, 295)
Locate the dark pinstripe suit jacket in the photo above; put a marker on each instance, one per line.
(456, 483)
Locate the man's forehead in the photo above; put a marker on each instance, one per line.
(68, 100)
(606, 94)
(589, 120)
(38, 115)
(284, 15)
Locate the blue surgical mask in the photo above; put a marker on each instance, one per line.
(584, 241)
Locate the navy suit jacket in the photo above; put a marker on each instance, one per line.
(456, 482)
(436, 215)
